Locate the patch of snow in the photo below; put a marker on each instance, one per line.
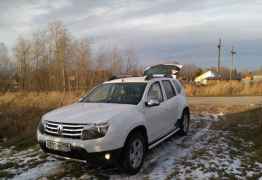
(39, 171)
(234, 167)
(85, 176)
(259, 165)
(199, 174)
(221, 114)
(175, 151)
(250, 173)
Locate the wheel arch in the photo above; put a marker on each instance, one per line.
(186, 109)
(142, 129)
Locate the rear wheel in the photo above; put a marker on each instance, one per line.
(134, 152)
(185, 122)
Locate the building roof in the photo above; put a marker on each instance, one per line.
(207, 75)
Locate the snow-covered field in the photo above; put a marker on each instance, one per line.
(204, 154)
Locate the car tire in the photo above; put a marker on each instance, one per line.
(184, 123)
(134, 153)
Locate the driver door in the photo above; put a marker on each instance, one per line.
(155, 114)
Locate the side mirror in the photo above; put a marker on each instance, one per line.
(152, 102)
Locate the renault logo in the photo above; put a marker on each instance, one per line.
(59, 129)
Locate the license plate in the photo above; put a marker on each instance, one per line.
(64, 147)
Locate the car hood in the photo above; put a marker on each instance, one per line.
(87, 112)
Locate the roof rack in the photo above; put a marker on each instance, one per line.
(156, 71)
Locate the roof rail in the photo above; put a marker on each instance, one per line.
(113, 77)
(151, 76)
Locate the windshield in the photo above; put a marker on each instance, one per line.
(121, 93)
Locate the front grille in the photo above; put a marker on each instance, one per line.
(68, 130)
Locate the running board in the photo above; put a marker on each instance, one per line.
(164, 138)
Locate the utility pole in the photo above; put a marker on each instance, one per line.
(233, 52)
(219, 55)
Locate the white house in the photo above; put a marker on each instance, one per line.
(203, 78)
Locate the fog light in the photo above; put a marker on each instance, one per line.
(107, 156)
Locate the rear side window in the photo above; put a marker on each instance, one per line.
(178, 86)
(169, 89)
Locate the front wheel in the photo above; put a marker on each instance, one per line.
(134, 152)
(185, 121)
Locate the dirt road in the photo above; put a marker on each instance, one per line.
(222, 105)
(226, 101)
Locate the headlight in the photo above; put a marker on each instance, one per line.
(94, 131)
(41, 127)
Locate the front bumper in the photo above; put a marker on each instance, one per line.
(106, 143)
(93, 151)
(79, 153)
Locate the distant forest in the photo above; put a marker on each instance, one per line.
(53, 59)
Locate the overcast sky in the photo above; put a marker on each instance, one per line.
(157, 30)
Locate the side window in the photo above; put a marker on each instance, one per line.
(169, 89)
(155, 92)
(178, 86)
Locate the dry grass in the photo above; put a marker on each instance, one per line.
(246, 125)
(20, 113)
(233, 88)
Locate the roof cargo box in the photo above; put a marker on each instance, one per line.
(163, 69)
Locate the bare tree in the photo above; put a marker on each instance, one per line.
(39, 60)
(22, 53)
(83, 63)
(131, 62)
(52, 59)
(4, 58)
(116, 61)
(6, 68)
(58, 44)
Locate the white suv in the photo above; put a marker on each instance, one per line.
(118, 121)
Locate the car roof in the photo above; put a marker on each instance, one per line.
(136, 80)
